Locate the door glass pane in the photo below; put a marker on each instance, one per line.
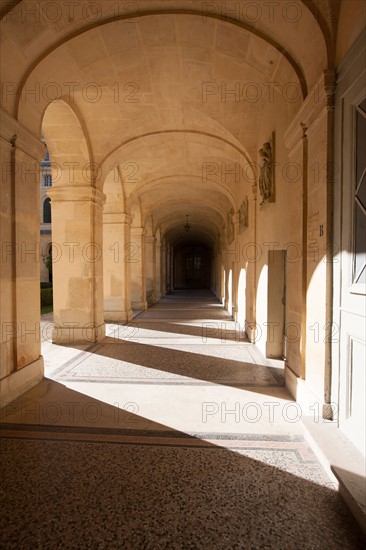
(360, 244)
(362, 105)
(359, 230)
(360, 144)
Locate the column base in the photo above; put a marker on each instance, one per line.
(251, 332)
(303, 395)
(78, 335)
(121, 316)
(139, 306)
(21, 381)
(151, 298)
(274, 350)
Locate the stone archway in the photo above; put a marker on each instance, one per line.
(77, 230)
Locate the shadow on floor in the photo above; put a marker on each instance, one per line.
(130, 362)
(83, 486)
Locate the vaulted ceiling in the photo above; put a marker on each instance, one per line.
(172, 94)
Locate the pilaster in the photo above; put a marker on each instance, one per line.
(138, 272)
(20, 344)
(77, 264)
(117, 266)
(309, 139)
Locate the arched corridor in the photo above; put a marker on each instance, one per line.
(187, 179)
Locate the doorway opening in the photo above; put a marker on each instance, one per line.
(46, 235)
(192, 267)
(276, 309)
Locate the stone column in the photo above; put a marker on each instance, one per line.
(77, 234)
(150, 262)
(168, 269)
(251, 326)
(213, 275)
(158, 265)
(164, 268)
(117, 267)
(171, 268)
(8, 260)
(21, 364)
(221, 271)
(236, 270)
(138, 274)
(226, 276)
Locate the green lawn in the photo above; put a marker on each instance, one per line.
(46, 309)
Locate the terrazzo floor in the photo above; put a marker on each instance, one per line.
(172, 433)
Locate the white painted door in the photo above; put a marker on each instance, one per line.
(352, 313)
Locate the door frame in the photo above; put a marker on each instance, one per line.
(349, 93)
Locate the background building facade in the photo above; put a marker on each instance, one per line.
(46, 230)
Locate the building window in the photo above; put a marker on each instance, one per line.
(47, 211)
(193, 262)
(47, 180)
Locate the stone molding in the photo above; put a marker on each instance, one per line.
(77, 194)
(137, 231)
(117, 218)
(17, 135)
(20, 381)
(320, 98)
(150, 239)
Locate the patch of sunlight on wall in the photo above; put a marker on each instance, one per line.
(242, 286)
(230, 291)
(261, 306)
(224, 286)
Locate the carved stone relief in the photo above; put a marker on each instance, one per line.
(230, 226)
(267, 171)
(244, 215)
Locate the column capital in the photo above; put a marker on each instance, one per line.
(137, 231)
(116, 218)
(150, 239)
(126, 218)
(77, 193)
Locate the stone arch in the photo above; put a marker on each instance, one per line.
(68, 146)
(210, 15)
(76, 229)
